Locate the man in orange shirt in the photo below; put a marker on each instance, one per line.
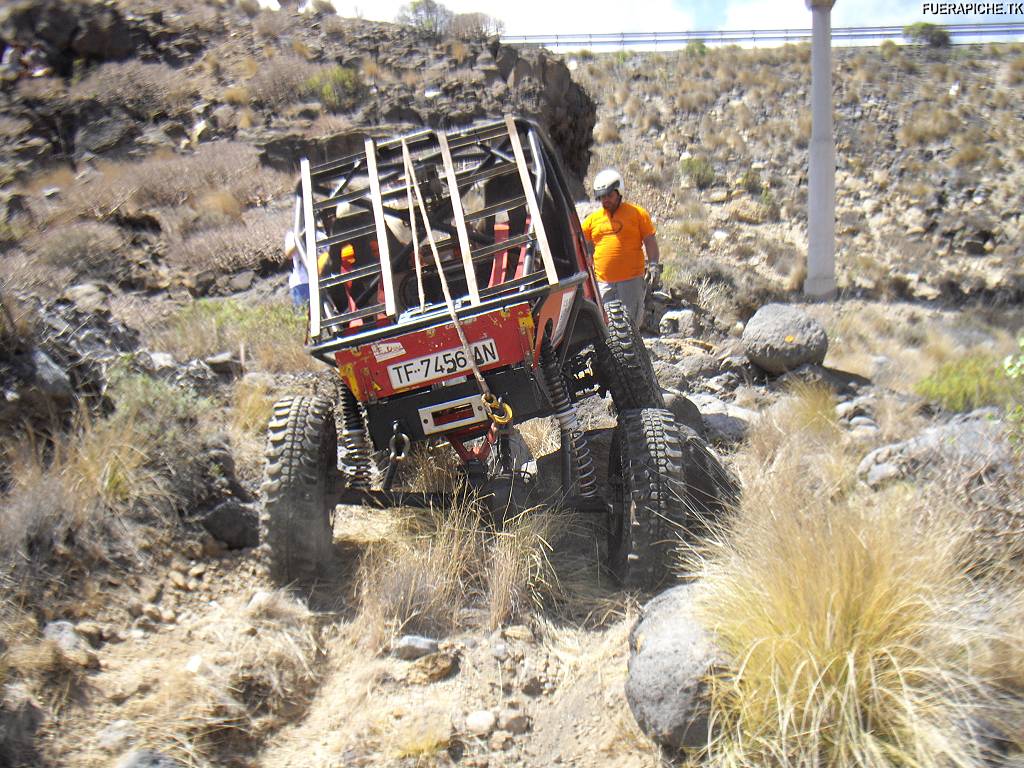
(621, 233)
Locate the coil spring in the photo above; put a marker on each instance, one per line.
(565, 412)
(356, 448)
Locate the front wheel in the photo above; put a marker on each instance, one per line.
(298, 490)
(667, 488)
(622, 364)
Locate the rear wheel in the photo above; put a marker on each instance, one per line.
(666, 487)
(622, 364)
(301, 463)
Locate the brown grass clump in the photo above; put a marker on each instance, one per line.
(145, 90)
(258, 670)
(272, 333)
(168, 179)
(845, 617)
(925, 125)
(233, 243)
(427, 571)
(82, 248)
(282, 80)
(606, 132)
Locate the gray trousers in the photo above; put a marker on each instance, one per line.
(630, 292)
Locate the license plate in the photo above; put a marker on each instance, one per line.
(439, 364)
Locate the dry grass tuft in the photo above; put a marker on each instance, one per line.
(82, 248)
(430, 570)
(846, 620)
(421, 577)
(168, 179)
(519, 573)
(260, 665)
(146, 90)
(271, 332)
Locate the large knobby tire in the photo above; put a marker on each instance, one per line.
(667, 488)
(296, 516)
(623, 366)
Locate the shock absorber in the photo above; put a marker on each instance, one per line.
(572, 436)
(355, 446)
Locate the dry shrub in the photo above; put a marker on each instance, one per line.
(519, 574)
(169, 179)
(260, 665)
(421, 577)
(145, 90)
(252, 241)
(103, 490)
(606, 132)
(925, 125)
(272, 333)
(12, 128)
(282, 80)
(846, 620)
(272, 25)
(82, 248)
(1015, 71)
(237, 95)
(431, 567)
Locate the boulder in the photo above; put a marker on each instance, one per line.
(234, 523)
(20, 719)
(412, 647)
(969, 443)
(724, 423)
(681, 321)
(685, 411)
(670, 658)
(779, 338)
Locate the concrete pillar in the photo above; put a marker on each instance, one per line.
(821, 191)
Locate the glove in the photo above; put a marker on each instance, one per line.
(653, 275)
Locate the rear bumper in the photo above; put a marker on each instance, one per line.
(516, 385)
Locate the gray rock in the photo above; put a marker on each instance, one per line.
(412, 647)
(20, 719)
(670, 376)
(50, 380)
(234, 523)
(685, 411)
(90, 297)
(225, 364)
(513, 721)
(681, 321)
(698, 366)
(723, 423)
(968, 443)
(242, 281)
(147, 758)
(862, 421)
(64, 634)
(481, 723)
(117, 736)
(779, 338)
(670, 657)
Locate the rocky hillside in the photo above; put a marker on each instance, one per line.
(928, 186)
(862, 602)
(159, 151)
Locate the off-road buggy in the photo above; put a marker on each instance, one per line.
(451, 287)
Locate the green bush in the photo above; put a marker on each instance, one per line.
(696, 49)
(974, 381)
(751, 181)
(338, 88)
(924, 33)
(700, 171)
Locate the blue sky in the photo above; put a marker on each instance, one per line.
(523, 17)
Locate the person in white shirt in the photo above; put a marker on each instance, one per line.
(298, 280)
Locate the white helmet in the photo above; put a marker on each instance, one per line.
(606, 181)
